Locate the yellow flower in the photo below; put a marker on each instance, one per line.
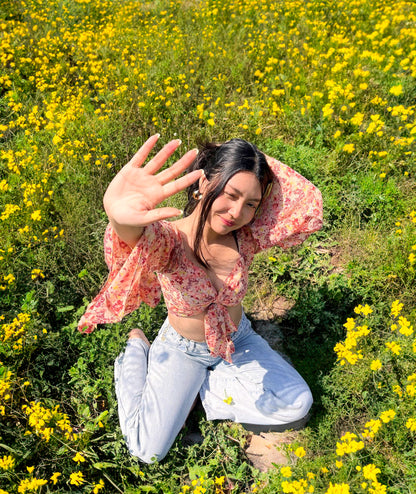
(364, 310)
(405, 327)
(98, 487)
(76, 478)
(349, 148)
(370, 472)
(394, 347)
(211, 122)
(32, 484)
(411, 424)
(387, 416)
(7, 462)
(375, 365)
(349, 444)
(396, 90)
(300, 452)
(78, 458)
(350, 324)
(286, 472)
(55, 476)
(36, 216)
(327, 111)
(37, 273)
(396, 308)
(398, 390)
(377, 488)
(411, 389)
(357, 119)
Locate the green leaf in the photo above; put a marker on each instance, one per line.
(102, 465)
(65, 309)
(11, 450)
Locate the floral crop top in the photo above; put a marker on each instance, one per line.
(158, 263)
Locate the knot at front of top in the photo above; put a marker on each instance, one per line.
(218, 329)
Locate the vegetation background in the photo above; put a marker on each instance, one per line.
(326, 86)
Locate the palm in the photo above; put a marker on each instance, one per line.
(134, 194)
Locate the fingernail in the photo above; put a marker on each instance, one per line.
(180, 212)
(179, 142)
(196, 150)
(157, 135)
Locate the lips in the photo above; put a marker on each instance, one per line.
(227, 222)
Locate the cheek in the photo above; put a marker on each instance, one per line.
(220, 204)
(250, 215)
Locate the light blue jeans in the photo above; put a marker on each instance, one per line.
(157, 387)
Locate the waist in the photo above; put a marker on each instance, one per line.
(168, 332)
(193, 328)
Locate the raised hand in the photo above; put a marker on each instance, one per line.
(132, 197)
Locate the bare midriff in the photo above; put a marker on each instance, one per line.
(192, 327)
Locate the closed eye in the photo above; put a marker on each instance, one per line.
(231, 196)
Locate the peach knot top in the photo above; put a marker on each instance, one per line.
(158, 263)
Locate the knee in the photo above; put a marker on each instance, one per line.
(285, 409)
(146, 450)
(302, 405)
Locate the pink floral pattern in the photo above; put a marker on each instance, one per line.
(158, 263)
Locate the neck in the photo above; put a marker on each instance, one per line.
(209, 237)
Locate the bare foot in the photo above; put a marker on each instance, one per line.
(138, 333)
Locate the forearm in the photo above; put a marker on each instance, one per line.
(128, 234)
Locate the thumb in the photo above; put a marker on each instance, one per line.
(162, 214)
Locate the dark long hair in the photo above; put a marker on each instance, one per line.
(220, 163)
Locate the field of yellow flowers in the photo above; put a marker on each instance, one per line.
(329, 87)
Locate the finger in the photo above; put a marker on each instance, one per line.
(181, 183)
(175, 170)
(160, 159)
(160, 214)
(141, 155)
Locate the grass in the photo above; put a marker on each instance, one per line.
(326, 87)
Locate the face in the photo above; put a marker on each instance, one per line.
(236, 205)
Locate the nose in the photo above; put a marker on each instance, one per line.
(235, 209)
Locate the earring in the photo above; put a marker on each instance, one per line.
(197, 195)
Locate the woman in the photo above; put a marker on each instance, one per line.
(239, 203)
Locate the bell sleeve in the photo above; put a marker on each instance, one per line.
(290, 213)
(131, 278)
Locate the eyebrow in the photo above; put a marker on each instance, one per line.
(256, 199)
